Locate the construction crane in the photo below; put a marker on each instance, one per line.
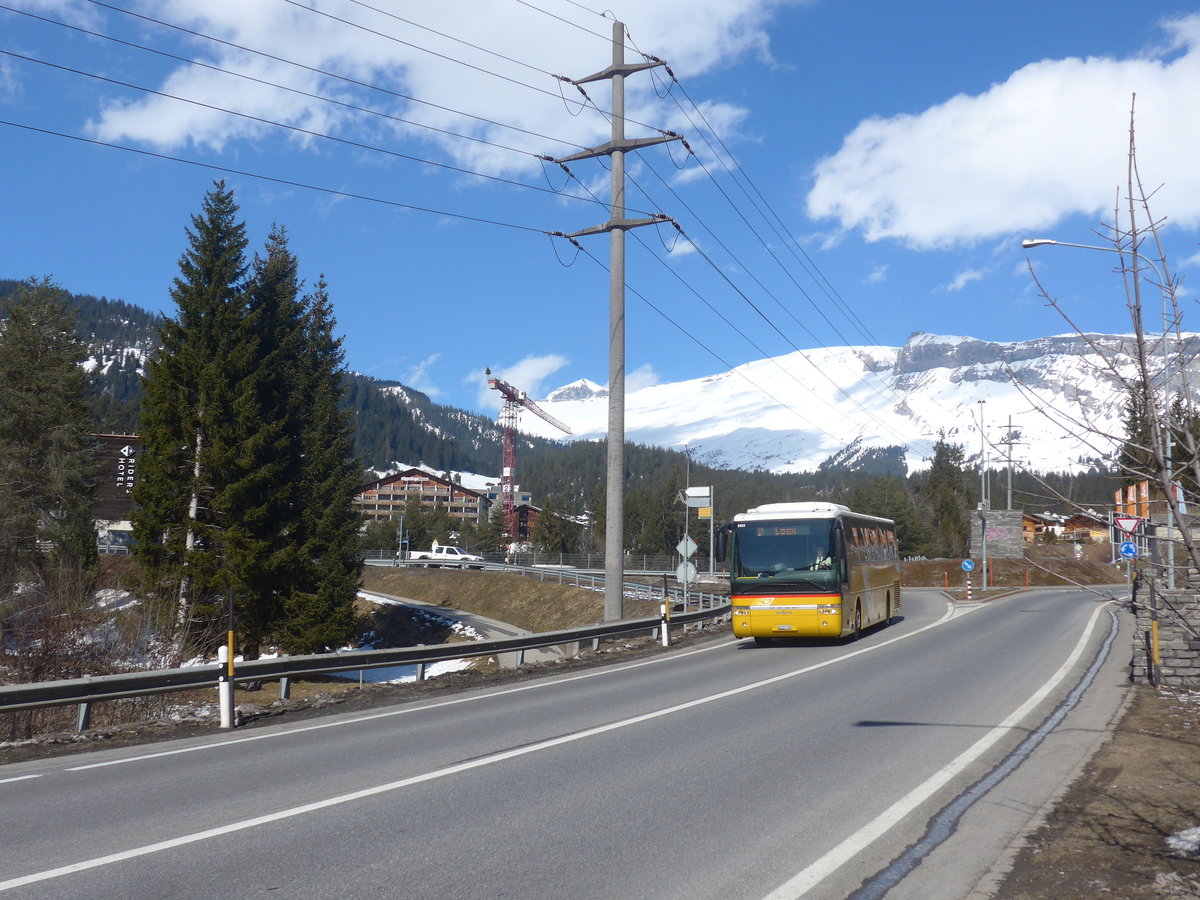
(509, 413)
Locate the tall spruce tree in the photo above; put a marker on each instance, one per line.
(187, 415)
(47, 467)
(319, 608)
(261, 457)
(247, 480)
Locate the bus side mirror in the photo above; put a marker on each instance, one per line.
(722, 545)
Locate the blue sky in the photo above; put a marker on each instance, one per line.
(861, 170)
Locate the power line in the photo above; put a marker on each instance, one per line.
(295, 128)
(728, 365)
(275, 180)
(283, 87)
(327, 74)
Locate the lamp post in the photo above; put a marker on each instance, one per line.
(1029, 244)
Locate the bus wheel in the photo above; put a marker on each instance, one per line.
(857, 622)
(762, 641)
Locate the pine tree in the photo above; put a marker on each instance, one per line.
(319, 610)
(187, 413)
(261, 464)
(47, 466)
(944, 496)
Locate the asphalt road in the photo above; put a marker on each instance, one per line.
(728, 771)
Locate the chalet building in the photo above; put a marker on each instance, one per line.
(387, 497)
(1034, 526)
(1089, 527)
(527, 516)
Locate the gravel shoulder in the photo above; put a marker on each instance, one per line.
(1121, 829)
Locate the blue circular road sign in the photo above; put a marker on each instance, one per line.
(968, 565)
(1129, 550)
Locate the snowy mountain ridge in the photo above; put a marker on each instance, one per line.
(1062, 394)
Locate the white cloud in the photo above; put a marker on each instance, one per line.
(963, 279)
(641, 377)
(1047, 143)
(693, 35)
(526, 375)
(418, 376)
(878, 275)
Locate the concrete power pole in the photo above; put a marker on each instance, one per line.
(616, 226)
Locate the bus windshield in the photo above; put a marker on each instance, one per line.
(797, 551)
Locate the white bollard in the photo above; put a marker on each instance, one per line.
(225, 688)
(666, 631)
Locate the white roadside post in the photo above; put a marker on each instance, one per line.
(225, 687)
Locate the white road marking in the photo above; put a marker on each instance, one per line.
(20, 778)
(808, 878)
(341, 799)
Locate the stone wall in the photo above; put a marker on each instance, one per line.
(1178, 615)
(1003, 534)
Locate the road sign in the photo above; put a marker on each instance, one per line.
(686, 572)
(686, 547)
(1129, 550)
(968, 565)
(1127, 524)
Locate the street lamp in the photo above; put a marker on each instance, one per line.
(1029, 244)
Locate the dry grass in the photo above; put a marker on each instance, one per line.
(537, 606)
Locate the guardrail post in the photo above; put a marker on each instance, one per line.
(83, 721)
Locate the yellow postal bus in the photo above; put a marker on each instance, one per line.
(809, 570)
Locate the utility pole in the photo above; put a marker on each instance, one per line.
(983, 498)
(616, 226)
(1009, 441)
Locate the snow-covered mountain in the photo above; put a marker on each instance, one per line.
(793, 412)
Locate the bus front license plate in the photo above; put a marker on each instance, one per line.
(783, 627)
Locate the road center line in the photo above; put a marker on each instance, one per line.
(20, 778)
(808, 878)
(491, 759)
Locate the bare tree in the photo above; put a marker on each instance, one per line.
(1160, 443)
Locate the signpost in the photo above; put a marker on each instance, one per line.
(968, 565)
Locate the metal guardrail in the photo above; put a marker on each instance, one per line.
(634, 562)
(14, 697)
(590, 578)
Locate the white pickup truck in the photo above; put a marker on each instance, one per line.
(442, 555)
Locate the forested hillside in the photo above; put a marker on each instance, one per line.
(395, 425)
